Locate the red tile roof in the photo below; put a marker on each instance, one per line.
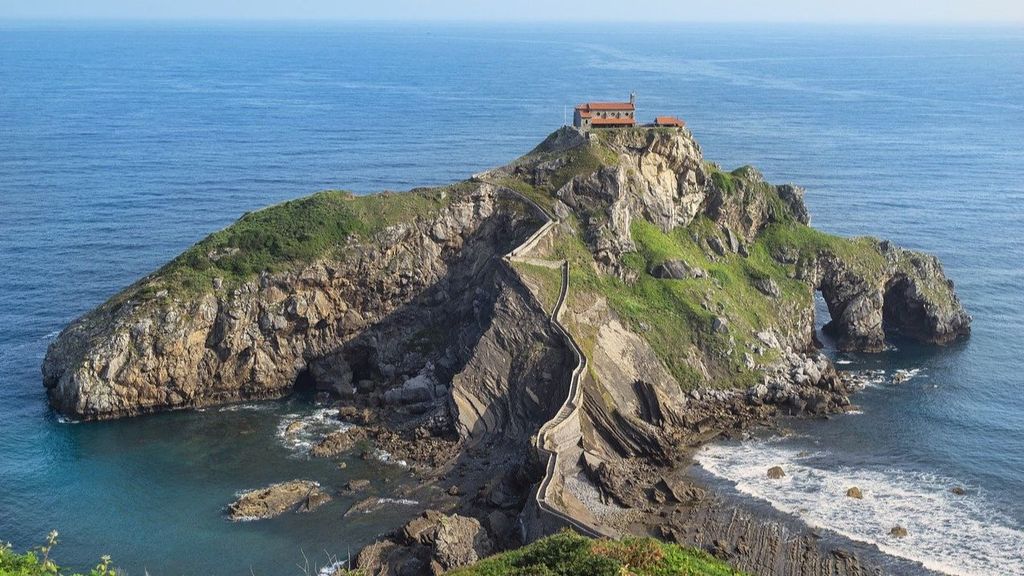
(588, 106)
(613, 122)
(669, 121)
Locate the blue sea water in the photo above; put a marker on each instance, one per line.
(122, 144)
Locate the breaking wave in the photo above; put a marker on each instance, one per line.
(955, 534)
(298, 432)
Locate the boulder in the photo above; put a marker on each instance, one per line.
(460, 541)
(768, 287)
(415, 390)
(958, 490)
(734, 243)
(276, 499)
(716, 245)
(720, 324)
(357, 484)
(337, 442)
(500, 526)
(676, 270)
(898, 532)
(776, 472)
(854, 492)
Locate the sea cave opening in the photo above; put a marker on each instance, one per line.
(822, 319)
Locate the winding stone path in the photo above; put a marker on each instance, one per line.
(562, 433)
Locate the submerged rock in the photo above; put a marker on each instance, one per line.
(357, 484)
(898, 532)
(276, 499)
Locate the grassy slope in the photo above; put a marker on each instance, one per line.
(294, 232)
(547, 280)
(670, 314)
(569, 554)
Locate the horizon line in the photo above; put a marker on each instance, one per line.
(512, 21)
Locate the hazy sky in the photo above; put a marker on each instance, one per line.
(510, 10)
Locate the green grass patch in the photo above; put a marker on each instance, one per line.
(294, 232)
(547, 280)
(543, 198)
(861, 254)
(677, 317)
(569, 554)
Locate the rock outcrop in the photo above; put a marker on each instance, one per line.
(905, 293)
(276, 499)
(330, 323)
(432, 543)
(690, 294)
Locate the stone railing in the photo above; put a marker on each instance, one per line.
(563, 430)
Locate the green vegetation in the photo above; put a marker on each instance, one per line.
(569, 554)
(543, 198)
(861, 254)
(294, 232)
(38, 562)
(677, 317)
(547, 280)
(580, 161)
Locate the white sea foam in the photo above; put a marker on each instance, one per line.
(904, 376)
(331, 568)
(399, 501)
(946, 532)
(252, 406)
(312, 427)
(387, 458)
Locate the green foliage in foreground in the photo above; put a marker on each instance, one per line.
(569, 554)
(294, 232)
(39, 563)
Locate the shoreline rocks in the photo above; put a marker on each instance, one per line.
(431, 543)
(337, 442)
(276, 499)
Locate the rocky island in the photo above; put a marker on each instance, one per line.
(546, 342)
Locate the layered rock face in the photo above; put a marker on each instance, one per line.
(331, 323)
(690, 295)
(412, 304)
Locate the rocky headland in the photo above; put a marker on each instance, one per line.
(545, 343)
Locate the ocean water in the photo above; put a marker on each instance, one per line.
(122, 144)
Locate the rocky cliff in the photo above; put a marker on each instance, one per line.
(690, 294)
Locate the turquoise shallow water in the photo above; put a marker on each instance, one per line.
(120, 145)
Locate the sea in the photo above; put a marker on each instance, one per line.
(123, 143)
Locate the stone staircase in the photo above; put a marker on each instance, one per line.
(559, 439)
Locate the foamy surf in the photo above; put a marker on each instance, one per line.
(332, 568)
(298, 432)
(386, 458)
(248, 407)
(962, 535)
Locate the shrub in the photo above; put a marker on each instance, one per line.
(38, 562)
